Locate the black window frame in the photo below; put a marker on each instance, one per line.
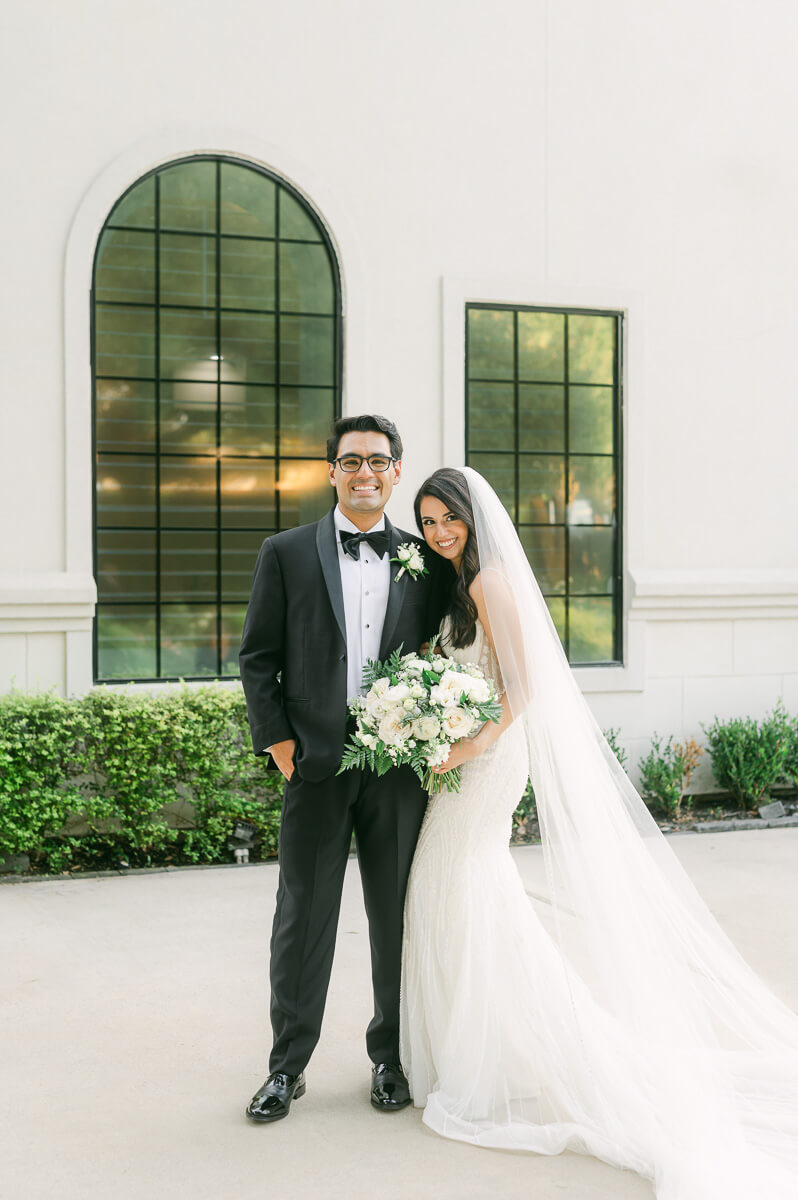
(337, 386)
(618, 659)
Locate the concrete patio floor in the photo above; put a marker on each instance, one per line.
(134, 1030)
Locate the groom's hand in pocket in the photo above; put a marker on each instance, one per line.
(283, 754)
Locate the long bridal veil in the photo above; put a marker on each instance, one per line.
(705, 1064)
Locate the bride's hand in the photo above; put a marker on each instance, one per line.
(461, 752)
(424, 649)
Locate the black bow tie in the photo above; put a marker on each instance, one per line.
(379, 540)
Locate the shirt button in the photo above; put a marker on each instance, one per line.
(367, 626)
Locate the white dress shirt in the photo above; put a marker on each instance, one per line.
(365, 582)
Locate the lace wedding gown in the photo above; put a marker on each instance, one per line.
(503, 1043)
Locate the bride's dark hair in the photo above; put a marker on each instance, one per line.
(449, 486)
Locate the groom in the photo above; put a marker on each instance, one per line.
(325, 599)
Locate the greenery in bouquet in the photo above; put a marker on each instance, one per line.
(416, 707)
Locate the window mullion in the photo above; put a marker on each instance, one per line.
(218, 252)
(277, 515)
(158, 426)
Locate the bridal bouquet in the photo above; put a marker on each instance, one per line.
(416, 707)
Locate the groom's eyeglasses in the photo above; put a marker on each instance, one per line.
(353, 462)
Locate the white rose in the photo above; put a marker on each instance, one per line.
(457, 723)
(416, 561)
(398, 693)
(409, 704)
(426, 728)
(438, 663)
(391, 731)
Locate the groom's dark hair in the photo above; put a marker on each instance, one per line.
(367, 423)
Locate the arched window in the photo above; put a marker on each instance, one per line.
(216, 359)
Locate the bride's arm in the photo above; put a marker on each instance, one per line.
(470, 748)
(491, 731)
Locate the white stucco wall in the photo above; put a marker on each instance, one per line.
(641, 153)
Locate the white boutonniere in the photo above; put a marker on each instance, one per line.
(410, 559)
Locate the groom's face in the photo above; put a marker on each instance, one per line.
(364, 492)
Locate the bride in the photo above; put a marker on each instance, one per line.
(616, 1019)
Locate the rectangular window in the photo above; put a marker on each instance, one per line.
(543, 425)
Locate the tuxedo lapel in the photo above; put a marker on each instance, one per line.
(396, 592)
(327, 546)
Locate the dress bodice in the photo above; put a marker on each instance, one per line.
(480, 652)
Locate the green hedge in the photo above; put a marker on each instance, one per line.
(90, 782)
(126, 778)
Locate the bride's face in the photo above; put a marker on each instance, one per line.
(444, 532)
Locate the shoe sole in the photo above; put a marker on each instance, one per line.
(390, 1107)
(278, 1116)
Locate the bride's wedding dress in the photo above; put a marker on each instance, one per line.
(490, 1041)
(613, 1017)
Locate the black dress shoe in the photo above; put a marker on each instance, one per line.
(389, 1087)
(273, 1099)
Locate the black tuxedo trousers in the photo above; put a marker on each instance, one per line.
(315, 836)
(293, 667)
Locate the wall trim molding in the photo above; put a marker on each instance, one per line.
(674, 594)
(28, 598)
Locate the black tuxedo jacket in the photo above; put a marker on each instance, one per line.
(293, 649)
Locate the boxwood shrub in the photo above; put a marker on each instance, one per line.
(128, 778)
